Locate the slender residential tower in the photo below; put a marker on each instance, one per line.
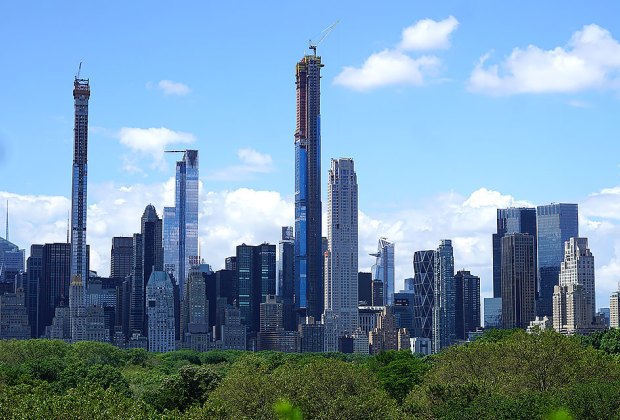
(308, 246)
(79, 263)
(341, 258)
(181, 221)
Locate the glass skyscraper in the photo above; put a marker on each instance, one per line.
(444, 309)
(423, 295)
(308, 255)
(79, 263)
(556, 224)
(511, 220)
(383, 269)
(180, 231)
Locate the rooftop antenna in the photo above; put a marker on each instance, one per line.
(7, 220)
(326, 31)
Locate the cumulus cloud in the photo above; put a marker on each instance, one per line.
(252, 162)
(230, 217)
(150, 142)
(590, 60)
(394, 66)
(388, 67)
(428, 34)
(173, 88)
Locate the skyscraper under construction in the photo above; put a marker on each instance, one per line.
(79, 262)
(308, 255)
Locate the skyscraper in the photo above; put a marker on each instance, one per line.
(518, 280)
(160, 312)
(79, 263)
(34, 270)
(574, 304)
(444, 309)
(286, 278)
(148, 257)
(341, 258)
(424, 296)
(53, 283)
(181, 222)
(511, 220)
(556, 224)
(467, 303)
(383, 269)
(308, 255)
(120, 256)
(614, 309)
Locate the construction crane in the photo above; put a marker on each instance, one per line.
(77, 76)
(175, 151)
(313, 45)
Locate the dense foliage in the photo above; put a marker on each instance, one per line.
(505, 374)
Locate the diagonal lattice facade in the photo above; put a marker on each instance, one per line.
(424, 277)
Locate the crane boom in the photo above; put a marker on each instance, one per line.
(325, 32)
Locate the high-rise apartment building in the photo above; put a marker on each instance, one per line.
(574, 304)
(160, 312)
(510, 220)
(34, 270)
(614, 310)
(383, 269)
(423, 292)
(148, 257)
(53, 283)
(467, 303)
(444, 309)
(120, 256)
(556, 224)
(518, 280)
(181, 222)
(308, 255)
(14, 316)
(79, 257)
(286, 278)
(341, 258)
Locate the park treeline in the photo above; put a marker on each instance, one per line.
(504, 374)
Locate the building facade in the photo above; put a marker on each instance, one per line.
(120, 256)
(181, 222)
(424, 296)
(556, 224)
(518, 280)
(467, 303)
(383, 269)
(308, 207)
(444, 309)
(341, 258)
(510, 220)
(286, 278)
(160, 312)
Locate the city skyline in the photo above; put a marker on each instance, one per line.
(415, 219)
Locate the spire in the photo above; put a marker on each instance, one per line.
(7, 220)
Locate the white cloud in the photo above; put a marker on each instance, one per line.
(173, 88)
(428, 34)
(393, 66)
(252, 162)
(590, 60)
(229, 218)
(388, 67)
(150, 142)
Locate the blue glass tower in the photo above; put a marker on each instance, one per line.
(308, 255)
(383, 269)
(181, 222)
(556, 224)
(444, 309)
(79, 262)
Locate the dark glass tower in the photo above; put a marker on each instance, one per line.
(120, 261)
(557, 223)
(308, 255)
(79, 263)
(53, 283)
(34, 269)
(286, 278)
(518, 280)
(511, 220)
(467, 303)
(424, 298)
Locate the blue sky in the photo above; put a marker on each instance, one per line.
(434, 132)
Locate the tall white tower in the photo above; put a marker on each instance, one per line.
(341, 259)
